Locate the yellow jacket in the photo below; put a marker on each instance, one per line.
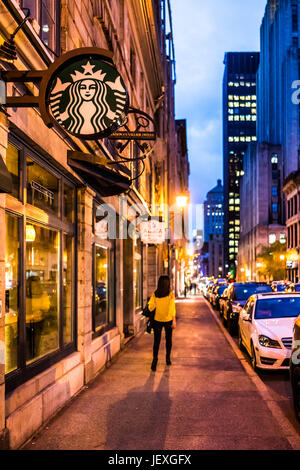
(165, 307)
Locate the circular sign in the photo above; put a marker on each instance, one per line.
(85, 94)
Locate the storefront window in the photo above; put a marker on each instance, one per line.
(69, 203)
(42, 188)
(42, 292)
(39, 268)
(68, 289)
(137, 275)
(100, 287)
(13, 166)
(11, 293)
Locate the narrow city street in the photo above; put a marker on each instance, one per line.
(205, 400)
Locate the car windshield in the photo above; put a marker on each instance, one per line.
(244, 292)
(282, 307)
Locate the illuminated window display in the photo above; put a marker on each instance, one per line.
(39, 267)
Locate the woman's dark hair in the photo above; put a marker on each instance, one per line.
(163, 287)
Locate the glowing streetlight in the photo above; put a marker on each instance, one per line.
(181, 201)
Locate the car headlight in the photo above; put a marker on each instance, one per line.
(268, 342)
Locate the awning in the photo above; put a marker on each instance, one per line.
(103, 180)
(5, 178)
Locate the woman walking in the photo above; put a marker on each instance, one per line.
(163, 302)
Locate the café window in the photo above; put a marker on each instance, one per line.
(103, 275)
(47, 15)
(42, 187)
(137, 274)
(13, 166)
(12, 286)
(39, 267)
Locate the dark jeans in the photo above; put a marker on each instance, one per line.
(157, 327)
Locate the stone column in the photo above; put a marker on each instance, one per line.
(84, 280)
(3, 430)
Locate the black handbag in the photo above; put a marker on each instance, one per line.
(150, 315)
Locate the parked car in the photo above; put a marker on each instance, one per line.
(295, 368)
(265, 329)
(280, 286)
(293, 288)
(217, 294)
(208, 291)
(237, 296)
(222, 300)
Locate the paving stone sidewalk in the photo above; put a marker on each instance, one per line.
(205, 400)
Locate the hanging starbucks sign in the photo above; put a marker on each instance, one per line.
(83, 92)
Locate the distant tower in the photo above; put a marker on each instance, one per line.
(239, 129)
(213, 212)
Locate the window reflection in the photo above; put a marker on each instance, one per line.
(42, 293)
(11, 292)
(42, 188)
(137, 276)
(69, 203)
(101, 281)
(12, 163)
(68, 289)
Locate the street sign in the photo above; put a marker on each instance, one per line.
(134, 135)
(152, 232)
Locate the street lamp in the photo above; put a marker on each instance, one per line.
(181, 201)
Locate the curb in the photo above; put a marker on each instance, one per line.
(288, 430)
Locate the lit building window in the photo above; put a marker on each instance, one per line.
(272, 238)
(254, 138)
(274, 158)
(282, 238)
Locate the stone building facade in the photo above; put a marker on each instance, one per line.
(71, 297)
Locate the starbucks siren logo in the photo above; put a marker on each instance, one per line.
(89, 97)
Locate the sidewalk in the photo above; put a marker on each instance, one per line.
(205, 400)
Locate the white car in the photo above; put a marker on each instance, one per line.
(266, 328)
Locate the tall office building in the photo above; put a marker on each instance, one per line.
(274, 162)
(239, 129)
(213, 212)
(213, 231)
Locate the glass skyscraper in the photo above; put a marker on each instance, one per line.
(239, 129)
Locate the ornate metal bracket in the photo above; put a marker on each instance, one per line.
(139, 135)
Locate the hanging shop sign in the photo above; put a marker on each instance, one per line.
(152, 232)
(81, 92)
